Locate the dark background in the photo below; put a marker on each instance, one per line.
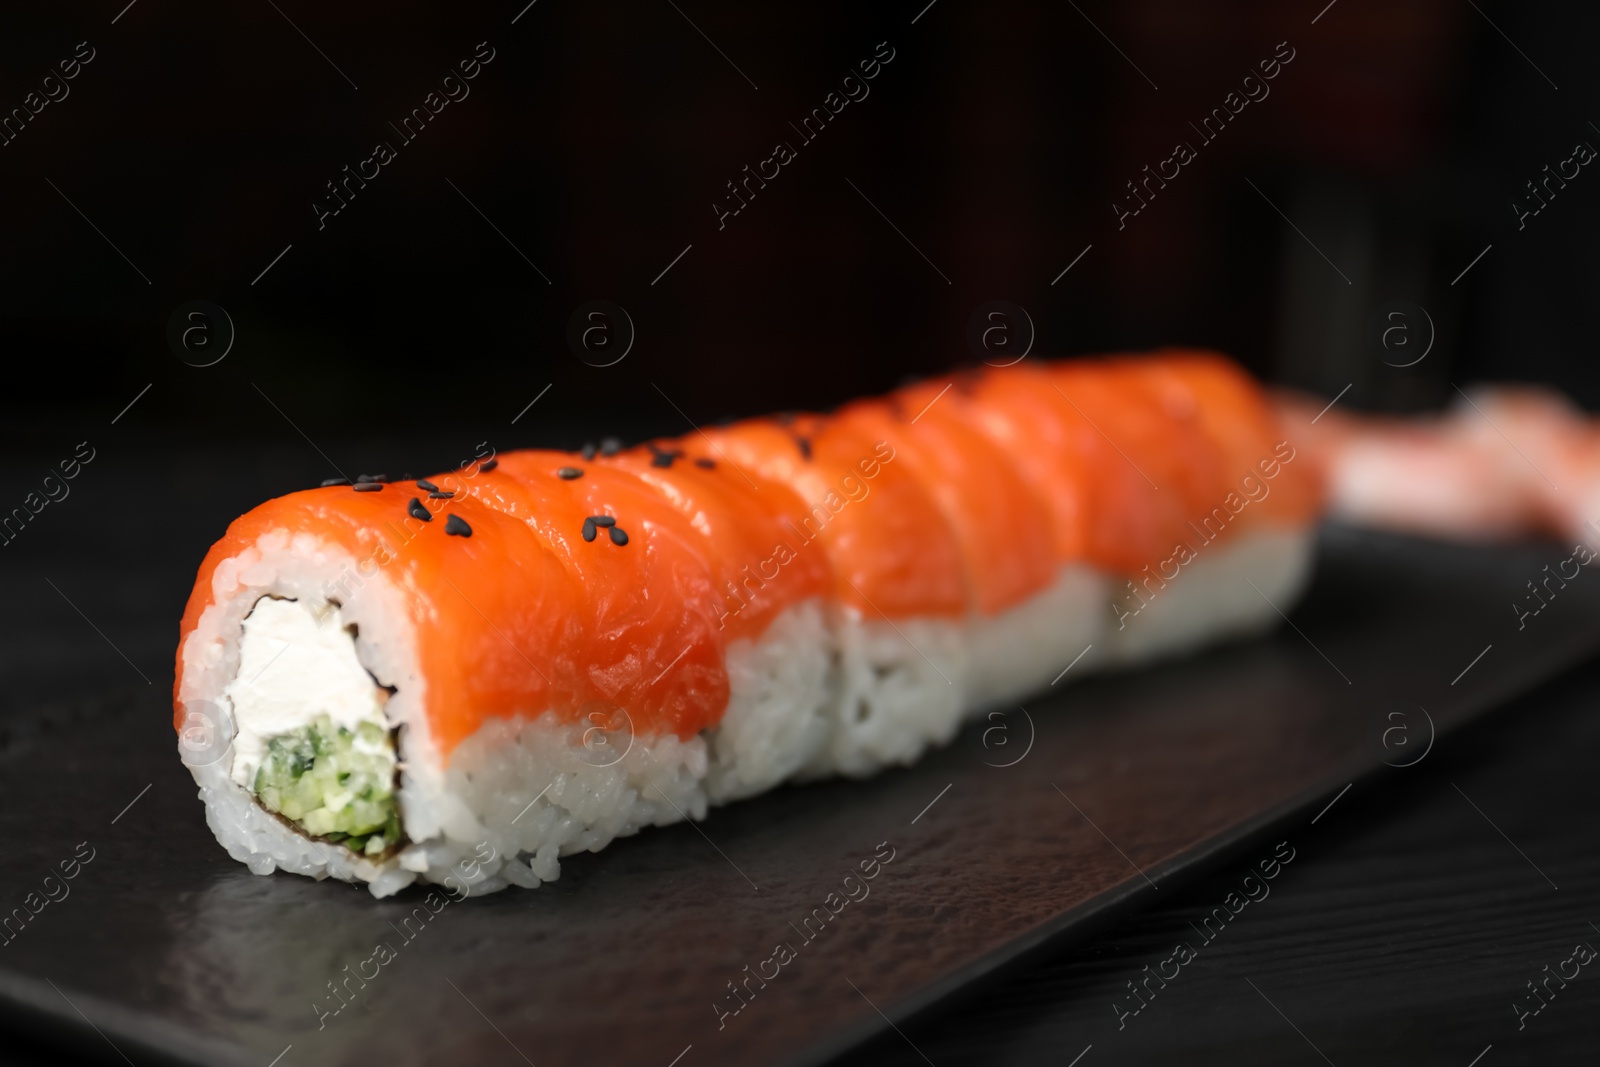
(600, 135)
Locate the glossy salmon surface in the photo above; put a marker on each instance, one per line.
(619, 581)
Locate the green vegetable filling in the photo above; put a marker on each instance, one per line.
(335, 783)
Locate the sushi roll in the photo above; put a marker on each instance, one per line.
(461, 679)
(1503, 461)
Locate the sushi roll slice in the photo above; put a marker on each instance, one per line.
(461, 679)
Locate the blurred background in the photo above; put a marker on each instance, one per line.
(396, 259)
(590, 151)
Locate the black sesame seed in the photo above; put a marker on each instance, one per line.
(367, 487)
(588, 529)
(457, 526)
(488, 465)
(417, 511)
(805, 447)
(706, 464)
(444, 494)
(569, 473)
(334, 481)
(587, 451)
(603, 520)
(371, 478)
(662, 457)
(610, 446)
(618, 536)
(423, 483)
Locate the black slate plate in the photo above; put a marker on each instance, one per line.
(166, 950)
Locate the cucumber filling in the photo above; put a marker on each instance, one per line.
(334, 783)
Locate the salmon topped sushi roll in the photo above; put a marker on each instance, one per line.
(459, 679)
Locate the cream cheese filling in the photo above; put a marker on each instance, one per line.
(294, 667)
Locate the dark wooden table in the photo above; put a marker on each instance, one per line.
(1405, 930)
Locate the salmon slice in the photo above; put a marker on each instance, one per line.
(890, 549)
(1044, 440)
(745, 520)
(1131, 522)
(1001, 526)
(630, 638)
(1248, 438)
